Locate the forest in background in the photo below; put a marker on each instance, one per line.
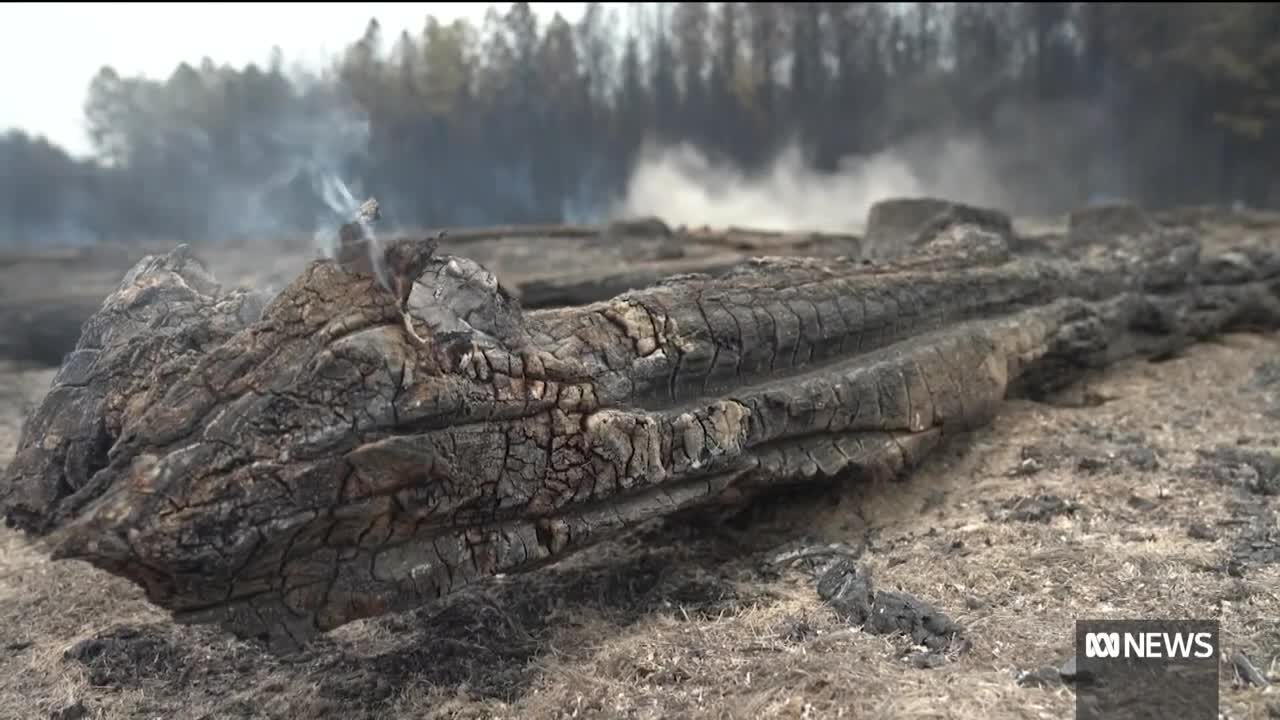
(777, 114)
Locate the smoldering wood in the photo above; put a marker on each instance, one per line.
(285, 464)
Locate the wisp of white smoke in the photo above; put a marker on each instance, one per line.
(340, 201)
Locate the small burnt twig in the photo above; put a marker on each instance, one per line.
(369, 212)
(1246, 670)
(408, 328)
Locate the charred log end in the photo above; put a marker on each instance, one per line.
(255, 421)
(900, 226)
(643, 227)
(1102, 222)
(164, 306)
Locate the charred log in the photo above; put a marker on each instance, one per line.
(284, 468)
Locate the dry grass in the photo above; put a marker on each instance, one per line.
(685, 619)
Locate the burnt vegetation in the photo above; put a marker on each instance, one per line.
(533, 119)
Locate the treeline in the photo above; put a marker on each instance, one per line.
(532, 119)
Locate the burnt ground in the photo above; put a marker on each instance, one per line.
(1148, 491)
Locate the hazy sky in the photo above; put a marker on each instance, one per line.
(50, 51)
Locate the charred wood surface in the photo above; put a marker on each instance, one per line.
(283, 465)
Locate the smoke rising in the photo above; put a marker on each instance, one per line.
(314, 150)
(682, 186)
(1041, 160)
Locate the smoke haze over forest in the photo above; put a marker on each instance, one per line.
(788, 116)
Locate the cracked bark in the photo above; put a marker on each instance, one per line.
(284, 466)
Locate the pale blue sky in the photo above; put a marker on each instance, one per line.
(50, 51)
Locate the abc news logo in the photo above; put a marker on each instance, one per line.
(1150, 645)
(1147, 668)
